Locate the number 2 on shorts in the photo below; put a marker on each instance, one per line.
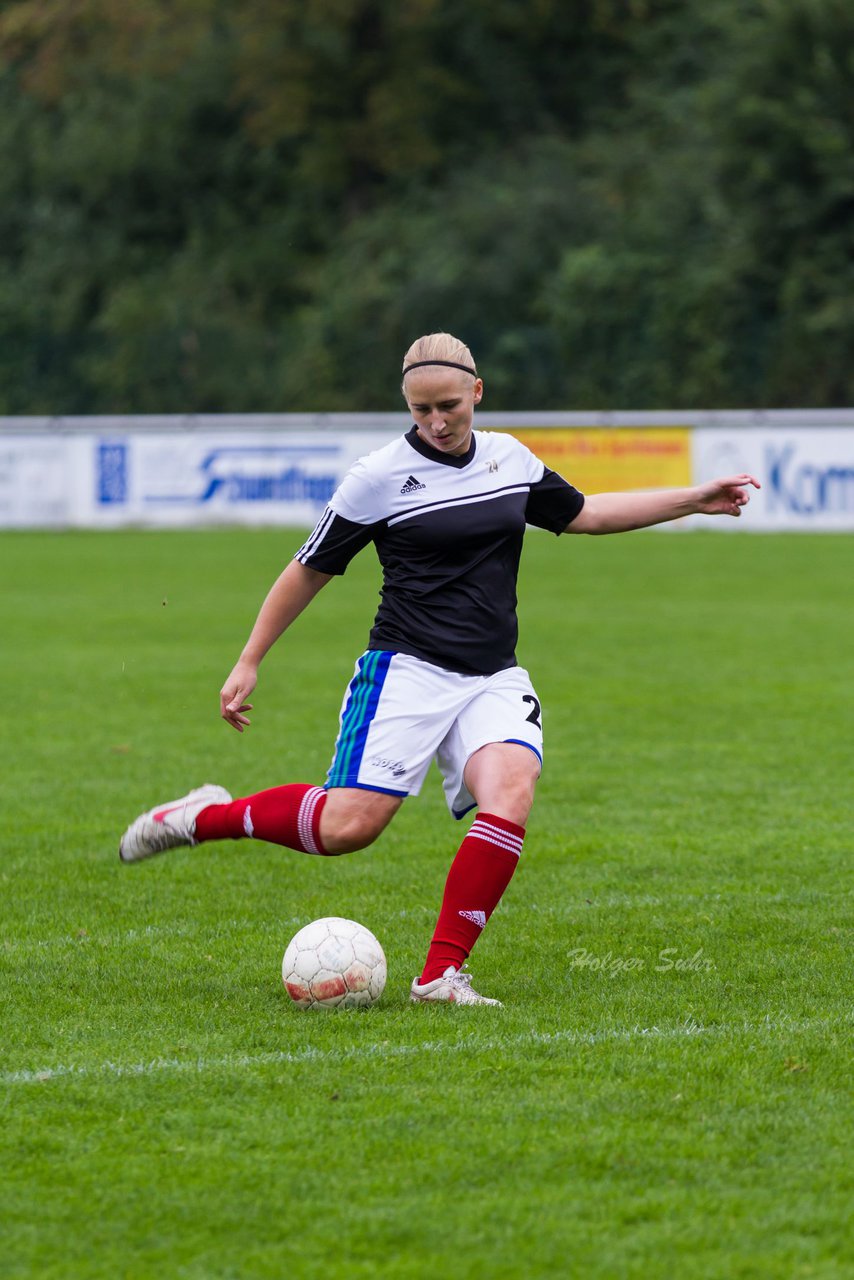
(534, 717)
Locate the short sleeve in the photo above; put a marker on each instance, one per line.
(347, 525)
(553, 503)
(333, 543)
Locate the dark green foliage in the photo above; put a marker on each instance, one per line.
(617, 203)
(788, 165)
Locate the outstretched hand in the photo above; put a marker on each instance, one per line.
(232, 699)
(725, 497)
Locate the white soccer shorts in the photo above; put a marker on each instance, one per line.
(399, 714)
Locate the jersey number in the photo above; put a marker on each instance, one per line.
(534, 717)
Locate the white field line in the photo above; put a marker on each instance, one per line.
(384, 1050)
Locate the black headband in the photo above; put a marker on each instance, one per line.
(452, 364)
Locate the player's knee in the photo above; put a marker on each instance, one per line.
(502, 777)
(348, 832)
(513, 801)
(517, 802)
(350, 838)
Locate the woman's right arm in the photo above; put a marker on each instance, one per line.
(292, 591)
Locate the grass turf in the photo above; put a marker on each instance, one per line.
(665, 1092)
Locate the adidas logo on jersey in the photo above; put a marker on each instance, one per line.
(412, 485)
(476, 917)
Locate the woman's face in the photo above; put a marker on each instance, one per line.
(442, 403)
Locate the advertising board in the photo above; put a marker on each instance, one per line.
(807, 475)
(35, 481)
(604, 459)
(163, 479)
(174, 472)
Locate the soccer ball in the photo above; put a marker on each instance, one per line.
(334, 964)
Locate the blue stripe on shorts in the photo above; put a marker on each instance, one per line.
(365, 689)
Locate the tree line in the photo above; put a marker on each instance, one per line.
(617, 203)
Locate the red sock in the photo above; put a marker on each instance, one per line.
(479, 874)
(283, 815)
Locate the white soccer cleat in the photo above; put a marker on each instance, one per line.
(169, 825)
(454, 986)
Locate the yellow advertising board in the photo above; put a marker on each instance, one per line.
(602, 459)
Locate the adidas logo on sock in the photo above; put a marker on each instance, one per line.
(247, 821)
(476, 917)
(412, 485)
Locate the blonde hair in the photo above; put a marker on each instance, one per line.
(439, 346)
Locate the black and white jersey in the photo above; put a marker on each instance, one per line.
(448, 532)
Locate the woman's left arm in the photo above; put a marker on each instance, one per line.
(620, 512)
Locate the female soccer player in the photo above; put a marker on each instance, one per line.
(446, 508)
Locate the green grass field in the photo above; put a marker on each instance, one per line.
(167, 1113)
